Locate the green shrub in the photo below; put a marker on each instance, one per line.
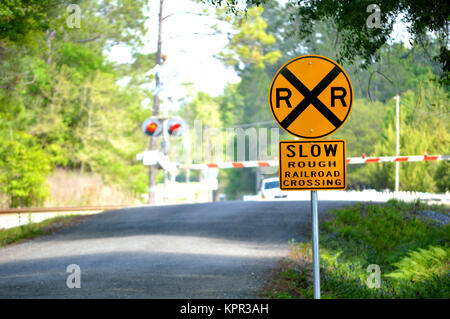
(24, 167)
(412, 253)
(387, 231)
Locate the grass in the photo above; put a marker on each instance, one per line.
(413, 254)
(32, 230)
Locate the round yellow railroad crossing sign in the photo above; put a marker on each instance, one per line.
(311, 96)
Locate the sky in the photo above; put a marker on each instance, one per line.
(190, 50)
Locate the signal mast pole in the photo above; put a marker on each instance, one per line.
(156, 103)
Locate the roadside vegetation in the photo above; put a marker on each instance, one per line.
(411, 250)
(66, 104)
(32, 230)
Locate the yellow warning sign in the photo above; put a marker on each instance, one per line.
(312, 165)
(311, 96)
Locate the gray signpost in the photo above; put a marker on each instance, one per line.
(315, 243)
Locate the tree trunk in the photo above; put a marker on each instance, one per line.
(49, 35)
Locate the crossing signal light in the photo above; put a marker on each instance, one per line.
(176, 126)
(152, 127)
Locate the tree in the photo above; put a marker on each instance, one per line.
(246, 46)
(360, 40)
(60, 97)
(375, 82)
(20, 18)
(203, 111)
(361, 132)
(251, 49)
(422, 129)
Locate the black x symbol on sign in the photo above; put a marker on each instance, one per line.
(311, 97)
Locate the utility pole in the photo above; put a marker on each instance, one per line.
(397, 146)
(156, 103)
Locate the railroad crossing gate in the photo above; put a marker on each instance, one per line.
(312, 165)
(311, 96)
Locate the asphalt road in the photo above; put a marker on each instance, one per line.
(215, 250)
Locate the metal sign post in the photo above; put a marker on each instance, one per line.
(315, 243)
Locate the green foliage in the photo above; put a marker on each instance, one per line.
(33, 230)
(422, 128)
(412, 253)
(424, 272)
(201, 113)
(107, 23)
(60, 101)
(356, 40)
(442, 177)
(24, 166)
(80, 59)
(58, 89)
(282, 295)
(398, 69)
(18, 18)
(238, 182)
(248, 46)
(252, 51)
(371, 126)
(361, 133)
(422, 264)
(203, 108)
(366, 223)
(395, 237)
(227, 104)
(253, 107)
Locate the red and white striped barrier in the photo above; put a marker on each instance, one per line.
(350, 160)
(415, 158)
(234, 164)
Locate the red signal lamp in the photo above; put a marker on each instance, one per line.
(174, 127)
(151, 128)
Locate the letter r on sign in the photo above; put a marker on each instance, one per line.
(285, 97)
(340, 97)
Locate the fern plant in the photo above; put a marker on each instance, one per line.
(423, 264)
